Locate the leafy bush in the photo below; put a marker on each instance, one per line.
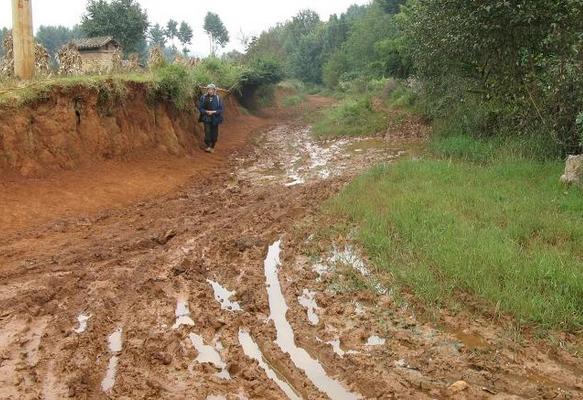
(262, 71)
(220, 72)
(172, 82)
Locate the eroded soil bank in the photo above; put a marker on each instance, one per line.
(78, 153)
(222, 291)
(76, 126)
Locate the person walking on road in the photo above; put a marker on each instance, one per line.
(211, 111)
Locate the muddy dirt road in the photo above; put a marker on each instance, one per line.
(222, 291)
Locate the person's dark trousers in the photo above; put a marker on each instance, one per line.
(211, 135)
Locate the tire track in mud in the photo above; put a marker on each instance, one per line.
(130, 269)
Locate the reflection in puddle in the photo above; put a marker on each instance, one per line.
(223, 296)
(471, 341)
(251, 350)
(285, 335)
(82, 319)
(375, 341)
(114, 342)
(209, 354)
(308, 301)
(182, 315)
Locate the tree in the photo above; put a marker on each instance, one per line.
(185, 36)
(157, 36)
(125, 20)
(171, 29)
(216, 31)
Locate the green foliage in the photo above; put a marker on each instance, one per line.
(157, 36)
(293, 100)
(511, 56)
(262, 71)
(507, 233)
(217, 32)
(125, 20)
(222, 73)
(172, 83)
(185, 35)
(171, 29)
(354, 116)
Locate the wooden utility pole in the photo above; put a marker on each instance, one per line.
(23, 39)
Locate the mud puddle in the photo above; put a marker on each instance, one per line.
(82, 320)
(210, 354)
(308, 301)
(290, 156)
(252, 350)
(286, 337)
(114, 342)
(223, 296)
(182, 315)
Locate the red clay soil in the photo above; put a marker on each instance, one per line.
(132, 271)
(51, 167)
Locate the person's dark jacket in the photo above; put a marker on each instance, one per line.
(214, 103)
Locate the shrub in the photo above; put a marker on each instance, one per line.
(172, 83)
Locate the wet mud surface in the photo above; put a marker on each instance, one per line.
(221, 291)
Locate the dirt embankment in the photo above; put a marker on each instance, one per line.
(78, 151)
(74, 127)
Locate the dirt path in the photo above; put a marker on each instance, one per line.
(222, 291)
(29, 202)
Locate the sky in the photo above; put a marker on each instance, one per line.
(248, 16)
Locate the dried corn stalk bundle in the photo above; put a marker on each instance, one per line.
(7, 62)
(180, 60)
(116, 60)
(156, 58)
(193, 62)
(41, 60)
(70, 62)
(189, 62)
(134, 62)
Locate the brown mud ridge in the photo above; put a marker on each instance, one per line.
(222, 291)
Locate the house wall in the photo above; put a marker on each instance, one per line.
(97, 61)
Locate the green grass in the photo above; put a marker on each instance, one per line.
(293, 100)
(169, 82)
(16, 94)
(353, 116)
(506, 233)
